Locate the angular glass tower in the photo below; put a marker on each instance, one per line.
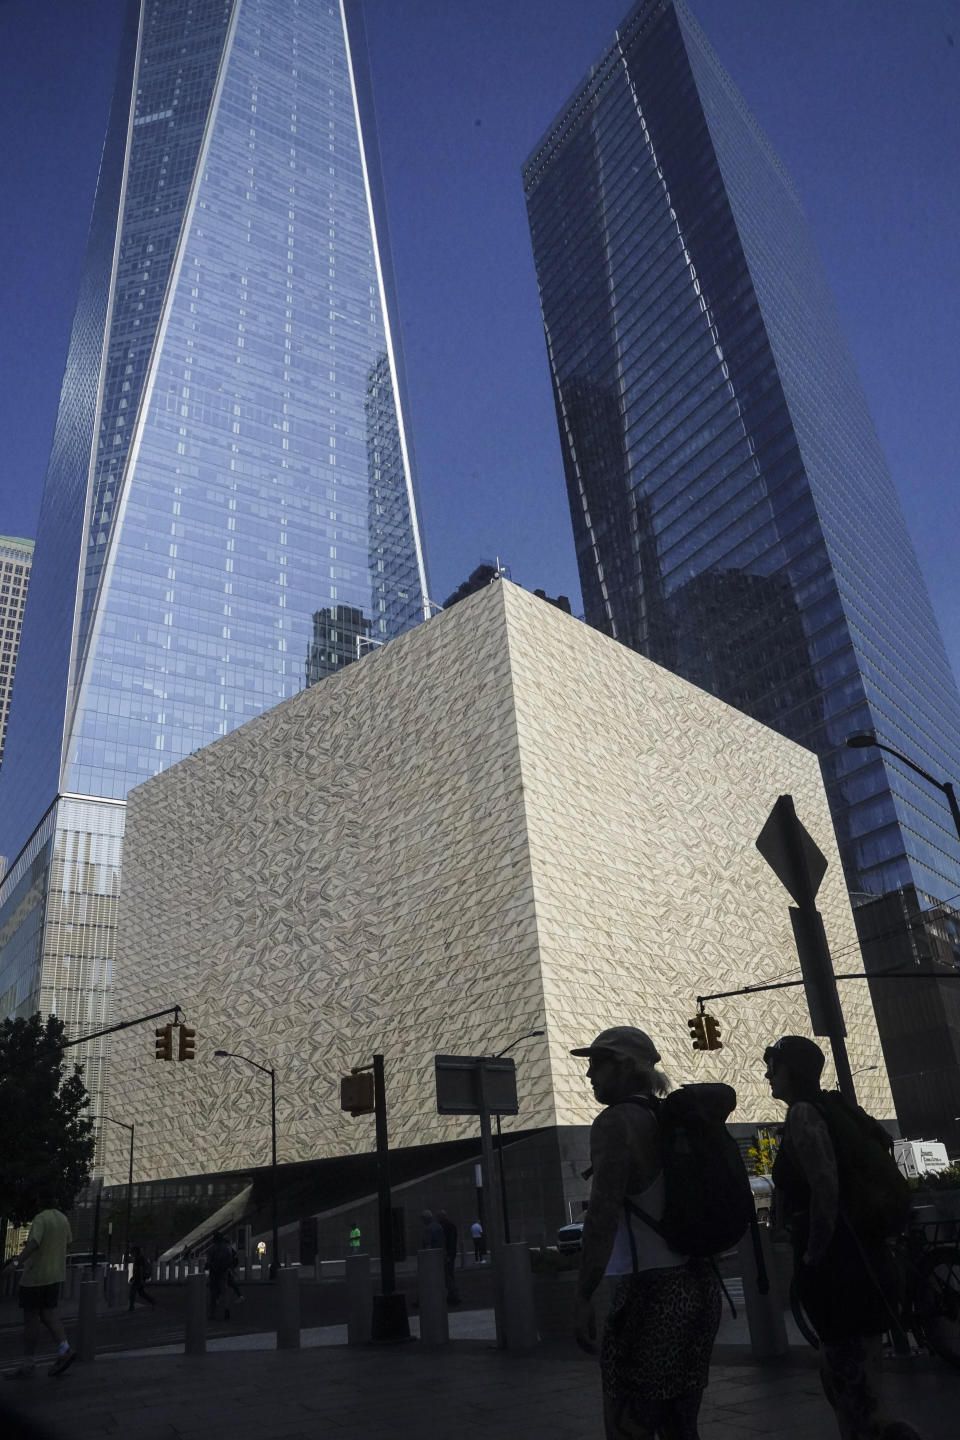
(734, 516)
(733, 513)
(229, 461)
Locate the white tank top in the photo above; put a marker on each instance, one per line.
(653, 1252)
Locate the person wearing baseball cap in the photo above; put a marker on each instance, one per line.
(659, 1332)
(836, 1271)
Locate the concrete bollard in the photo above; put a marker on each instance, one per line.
(768, 1332)
(86, 1342)
(432, 1283)
(359, 1300)
(519, 1317)
(288, 1309)
(196, 1338)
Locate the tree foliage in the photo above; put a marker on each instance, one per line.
(46, 1140)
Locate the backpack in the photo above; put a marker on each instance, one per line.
(708, 1203)
(874, 1195)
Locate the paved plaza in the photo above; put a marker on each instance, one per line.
(245, 1389)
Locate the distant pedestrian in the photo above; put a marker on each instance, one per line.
(449, 1255)
(353, 1239)
(479, 1243)
(431, 1237)
(44, 1259)
(218, 1268)
(139, 1275)
(659, 1333)
(232, 1275)
(838, 1270)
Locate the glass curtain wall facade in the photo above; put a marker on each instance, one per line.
(16, 560)
(733, 512)
(734, 516)
(230, 457)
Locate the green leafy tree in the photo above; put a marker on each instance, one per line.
(46, 1140)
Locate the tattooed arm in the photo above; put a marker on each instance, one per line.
(813, 1148)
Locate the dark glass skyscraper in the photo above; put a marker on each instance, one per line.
(230, 457)
(733, 512)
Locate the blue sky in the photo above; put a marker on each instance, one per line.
(861, 99)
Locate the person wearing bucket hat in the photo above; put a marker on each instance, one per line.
(663, 1319)
(838, 1273)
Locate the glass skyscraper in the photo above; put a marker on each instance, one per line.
(733, 512)
(229, 462)
(16, 559)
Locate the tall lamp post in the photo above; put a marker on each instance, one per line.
(267, 1070)
(503, 1180)
(126, 1233)
(866, 740)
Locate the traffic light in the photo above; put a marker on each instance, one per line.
(187, 1038)
(357, 1093)
(698, 1033)
(712, 1027)
(165, 1042)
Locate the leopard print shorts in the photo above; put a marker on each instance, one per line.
(659, 1333)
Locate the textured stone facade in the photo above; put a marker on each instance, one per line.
(500, 821)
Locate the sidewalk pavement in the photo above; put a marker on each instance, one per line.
(465, 1391)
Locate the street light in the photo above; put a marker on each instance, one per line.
(867, 740)
(231, 1055)
(126, 1236)
(503, 1180)
(863, 1070)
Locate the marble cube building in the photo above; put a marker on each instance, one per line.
(501, 821)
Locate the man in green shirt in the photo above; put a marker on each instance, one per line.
(44, 1260)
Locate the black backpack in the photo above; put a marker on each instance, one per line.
(708, 1203)
(874, 1195)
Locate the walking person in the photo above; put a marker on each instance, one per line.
(44, 1259)
(232, 1276)
(449, 1255)
(431, 1236)
(218, 1267)
(139, 1275)
(479, 1243)
(663, 1319)
(838, 1272)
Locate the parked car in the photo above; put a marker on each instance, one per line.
(570, 1237)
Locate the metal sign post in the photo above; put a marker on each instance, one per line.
(479, 1085)
(798, 863)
